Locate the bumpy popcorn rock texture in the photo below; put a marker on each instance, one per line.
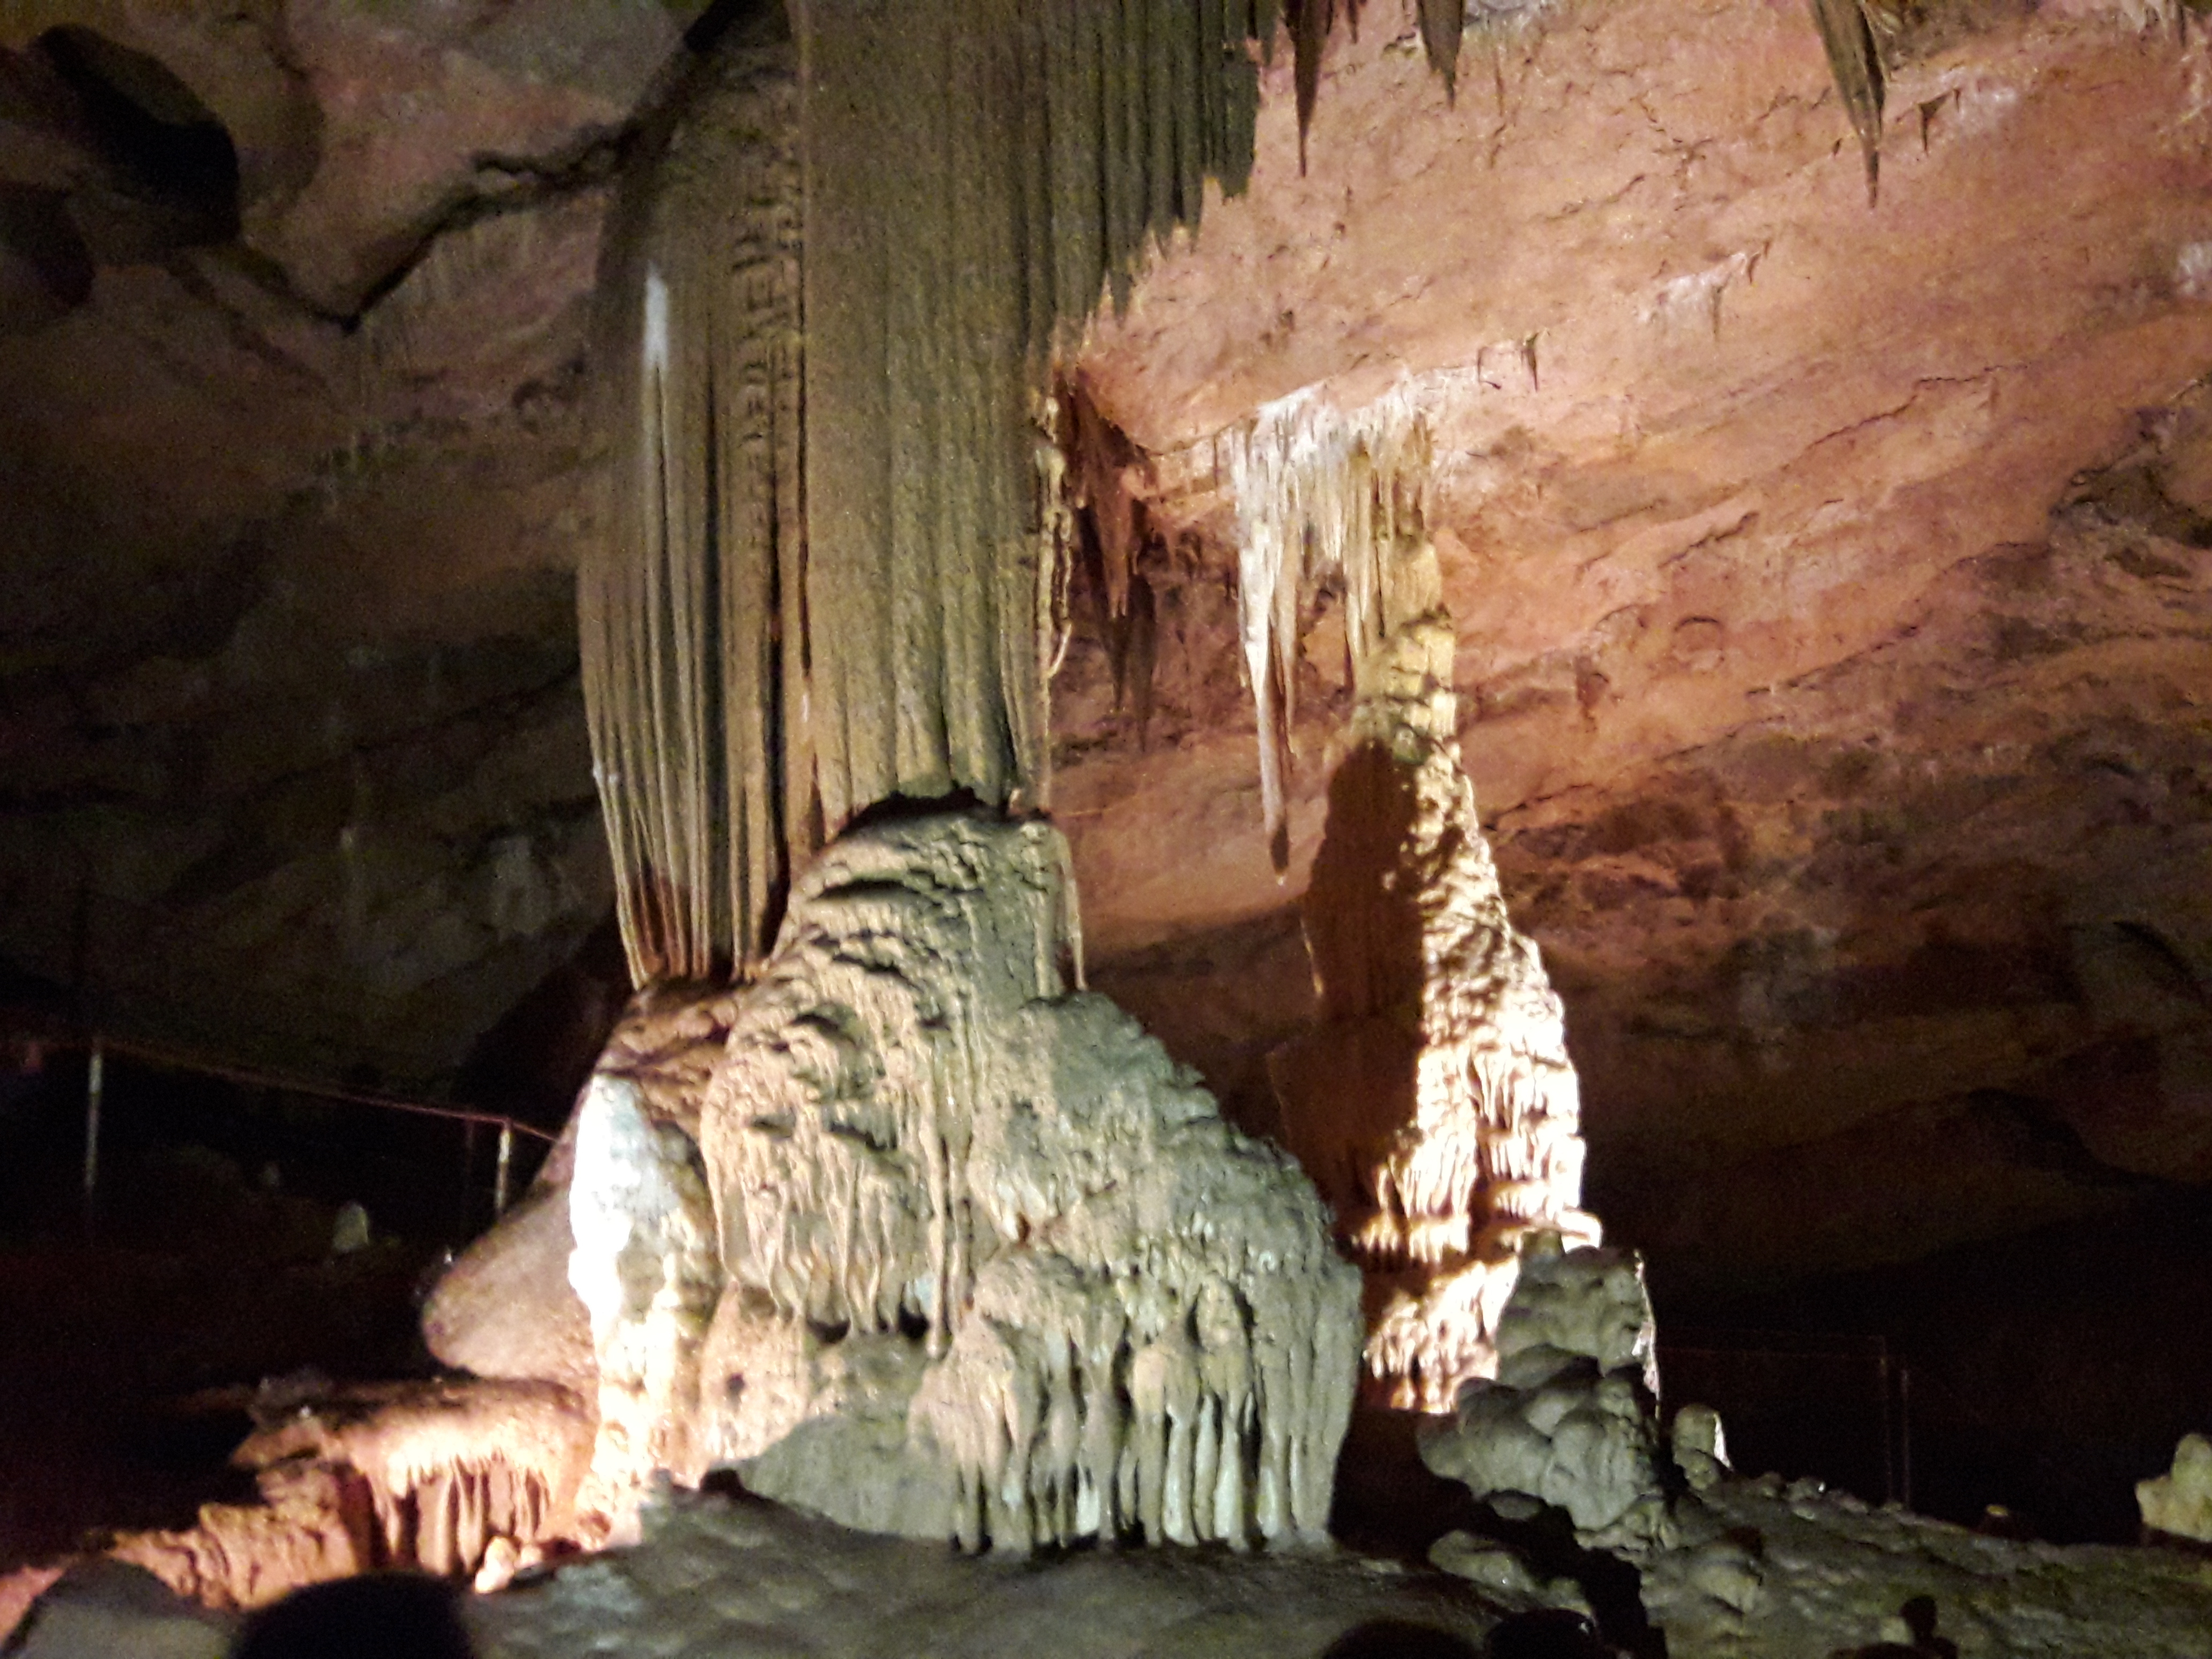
(1571, 1419)
(1434, 1105)
(997, 1269)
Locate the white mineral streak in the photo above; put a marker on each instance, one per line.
(645, 1268)
(1318, 490)
(1436, 1106)
(997, 1269)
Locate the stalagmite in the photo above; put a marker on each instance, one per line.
(997, 1270)
(1571, 1419)
(644, 1266)
(1436, 1106)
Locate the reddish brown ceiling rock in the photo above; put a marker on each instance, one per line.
(1834, 627)
(1832, 605)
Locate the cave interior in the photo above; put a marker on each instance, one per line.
(520, 519)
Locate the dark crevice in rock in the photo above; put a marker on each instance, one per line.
(503, 184)
(166, 154)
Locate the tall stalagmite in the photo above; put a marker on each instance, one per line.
(1435, 1106)
(996, 1269)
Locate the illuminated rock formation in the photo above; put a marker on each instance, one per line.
(1436, 1105)
(1571, 1419)
(506, 1308)
(1321, 491)
(982, 1262)
(644, 1266)
(830, 573)
(440, 1476)
(997, 1270)
(2179, 1502)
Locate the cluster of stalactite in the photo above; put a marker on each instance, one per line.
(830, 569)
(1074, 1404)
(682, 605)
(450, 1468)
(448, 1523)
(1321, 490)
(953, 1189)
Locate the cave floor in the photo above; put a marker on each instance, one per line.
(1762, 1570)
(1781, 1572)
(1767, 1571)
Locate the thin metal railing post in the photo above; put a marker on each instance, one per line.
(506, 1157)
(1905, 1432)
(95, 1086)
(1887, 1385)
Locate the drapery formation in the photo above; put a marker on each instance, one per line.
(691, 605)
(827, 576)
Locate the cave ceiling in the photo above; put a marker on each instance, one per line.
(1833, 579)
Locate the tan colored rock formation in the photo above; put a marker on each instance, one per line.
(2179, 1502)
(1571, 1417)
(431, 1476)
(644, 1266)
(1435, 1104)
(997, 1269)
(506, 1308)
(984, 1263)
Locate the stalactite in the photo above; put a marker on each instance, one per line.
(1317, 490)
(444, 1476)
(690, 607)
(1020, 156)
(1442, 22)
(831, 575)
(1855, 59)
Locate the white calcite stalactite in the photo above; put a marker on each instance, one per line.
(1436, 1105)
(997, 1269)
(644, 1266)
(1320, 491)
